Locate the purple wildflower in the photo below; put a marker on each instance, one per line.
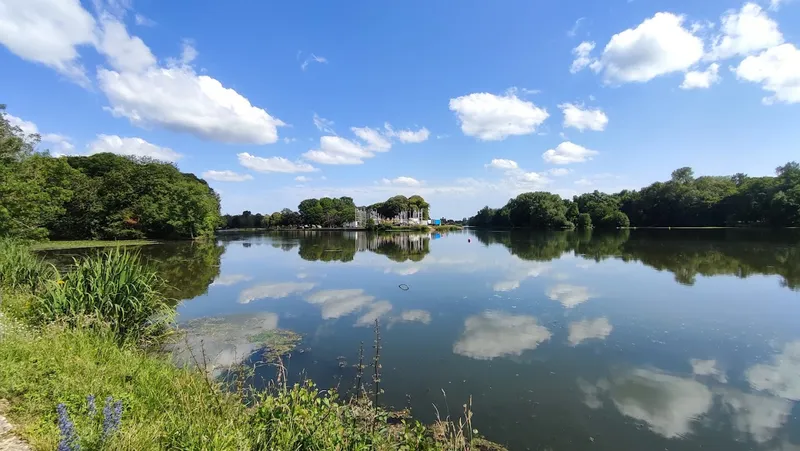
(92, 407)
(112, 415)
(69, 439)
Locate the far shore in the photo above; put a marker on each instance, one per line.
(84, 244)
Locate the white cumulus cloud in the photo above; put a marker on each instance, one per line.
(273, 164)
(375, 140)
(124, 52)
(745, 32)
(226, 176)
(660, 45)
(577, 116)
(48, 32)
(701, 80)
(567, 153)
(777, 70)
(490, 117)
(338, 150)
(500, 163)
(408, 136)
(583, 57)
(402, 181)
(132, 146)
(178, 99)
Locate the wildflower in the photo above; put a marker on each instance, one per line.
(69, 439)
(91, 405)
(60, 282)
(112, 414)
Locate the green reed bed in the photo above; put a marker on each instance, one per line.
(20, 269)
(113, 287)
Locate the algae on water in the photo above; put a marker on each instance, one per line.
(276, 342)
(228, 341)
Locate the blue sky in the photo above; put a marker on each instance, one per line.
(275, 102)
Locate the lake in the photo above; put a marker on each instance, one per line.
(635, 340)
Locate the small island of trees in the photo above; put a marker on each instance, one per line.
(327, 212)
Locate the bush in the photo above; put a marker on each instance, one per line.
(584, 221)
(113, 288)
(615, 220)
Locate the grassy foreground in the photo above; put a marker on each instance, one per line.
(70, 341)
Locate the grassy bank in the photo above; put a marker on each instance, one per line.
(70, 341)
(83, 244)
(447, 228)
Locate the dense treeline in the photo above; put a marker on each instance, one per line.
(102, 196)
(683, 201)
(325, 212)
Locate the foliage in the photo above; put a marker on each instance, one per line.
(584, 221)
(327, 212)
(96, 432)
(394, 205)
(683, 201)
(85, 244)
(246, 220)
(615, 220)
(164, 407)
(20, 269)
(98, 196)
(114, 289)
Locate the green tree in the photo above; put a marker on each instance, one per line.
(584, 221)
(539, 210)
(393, 206)
(311, 212)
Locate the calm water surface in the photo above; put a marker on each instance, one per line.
(641, 340)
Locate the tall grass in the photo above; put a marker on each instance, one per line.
(164, 407)
(114, 288)
(20, 269)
